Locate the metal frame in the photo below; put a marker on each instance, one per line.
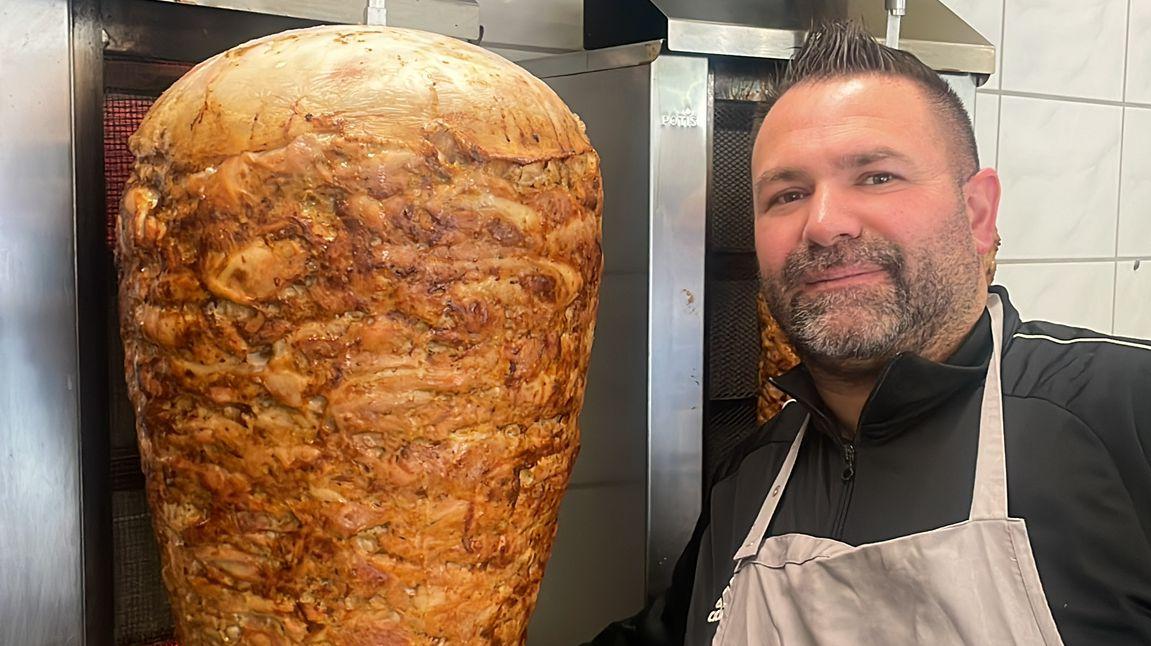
(775, 29)
(593, 60)
(41, 586)
(665, 216)
(168, 31)
(701, 37)
(457, 18)
(339, 11)
(697, 36)
(94, 316)
(680, 147)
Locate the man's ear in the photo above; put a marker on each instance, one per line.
(981, 202)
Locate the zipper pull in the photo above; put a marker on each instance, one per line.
(848, 461)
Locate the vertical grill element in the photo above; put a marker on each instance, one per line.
(141, 612)
(122, 115)
(731, 226)
(733, 340)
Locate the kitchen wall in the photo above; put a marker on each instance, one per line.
(1067, 121)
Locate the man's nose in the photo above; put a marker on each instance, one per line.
(830, 219)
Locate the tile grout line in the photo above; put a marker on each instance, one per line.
(1067, 99)
(1071, 261)
(1119, 189)
(999, 81)
(1114, 295)
(998, 118)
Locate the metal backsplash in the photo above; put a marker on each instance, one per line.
(41, 585)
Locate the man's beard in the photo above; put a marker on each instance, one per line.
(857, 329)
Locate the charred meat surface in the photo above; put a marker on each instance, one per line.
(358, 282)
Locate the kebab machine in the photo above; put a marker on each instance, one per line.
(667, 90)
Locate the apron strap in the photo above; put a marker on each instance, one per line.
(989, 497)
(771, 502)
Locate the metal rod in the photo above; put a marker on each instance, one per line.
(896, 9)
(892, 30)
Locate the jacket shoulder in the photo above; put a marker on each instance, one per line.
(1101, 379)
(779, 431)
(1059, 362)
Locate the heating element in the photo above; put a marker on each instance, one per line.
(141, 612)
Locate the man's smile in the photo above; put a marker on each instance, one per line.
(840, 277)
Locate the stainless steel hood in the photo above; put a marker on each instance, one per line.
(457, 18)
(775, 28)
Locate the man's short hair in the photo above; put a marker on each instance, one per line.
(837, 50)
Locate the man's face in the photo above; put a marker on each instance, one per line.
(863, 234)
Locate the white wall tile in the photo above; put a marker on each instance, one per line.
(1065, 47)
(1059, 162)
(986, 16)
(987, 127)
(1139, 52)
(1071, 293)
(1135, 194)
(1133, 299)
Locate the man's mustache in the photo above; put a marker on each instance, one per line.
(812, 260)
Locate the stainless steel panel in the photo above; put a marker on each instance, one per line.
(517, 54)
(458, 18)
(784, 14)
(338, 11)
(696, 36)
(594, 576)
(455, 18)
(41, 588)
(679, 168)
(555, 25)
(596, 572)
(952, 57)
(593, 60)
(182, 32)
(929, 30)
(613, 424)
(95, 280)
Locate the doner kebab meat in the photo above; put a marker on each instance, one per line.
(358, 270)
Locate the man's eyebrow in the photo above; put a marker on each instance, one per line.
(853, 160)
(856, 160)
(778, 175)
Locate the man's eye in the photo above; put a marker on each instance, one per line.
(789, 196)
(878, 178)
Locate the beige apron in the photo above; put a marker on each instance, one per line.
(973, 583)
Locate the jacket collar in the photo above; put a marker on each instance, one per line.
(909, 386)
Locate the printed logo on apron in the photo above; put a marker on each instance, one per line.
(717, 614)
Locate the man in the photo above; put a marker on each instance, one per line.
(946, 473)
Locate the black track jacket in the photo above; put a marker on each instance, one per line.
(1077, 418)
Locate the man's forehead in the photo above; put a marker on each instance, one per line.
(859, 112)
(826, 99)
